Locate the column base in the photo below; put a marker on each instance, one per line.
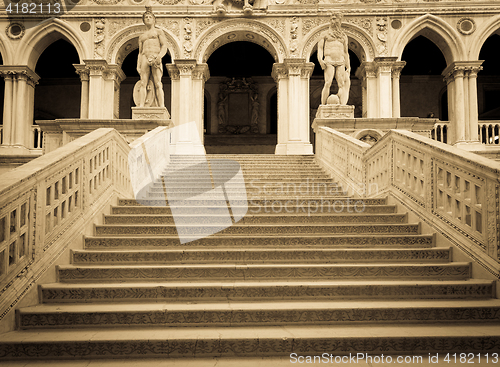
(150, 113)
(294, 148)
(335, 111)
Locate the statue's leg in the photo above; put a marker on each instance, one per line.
(160, 96)
(329, 74)
(344, 84)
(144, 73)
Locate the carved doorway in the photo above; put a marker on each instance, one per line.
(239, 85)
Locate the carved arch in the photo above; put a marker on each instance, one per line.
(6, 50)
(38, 38)
(360, 42)
(435, 29)
(127, 40)
(481, 35)
(240, 30)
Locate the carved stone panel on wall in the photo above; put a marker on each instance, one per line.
(238, 106)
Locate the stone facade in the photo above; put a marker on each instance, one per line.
(377, 30)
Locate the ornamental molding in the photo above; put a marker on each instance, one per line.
(240, 30)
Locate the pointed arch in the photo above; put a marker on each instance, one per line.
(481, 35)
(6, 50)
(360, 42)
(444, 36)
(127, 40)
(39, 38)
(240, 30)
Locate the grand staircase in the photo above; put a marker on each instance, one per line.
(308, 270)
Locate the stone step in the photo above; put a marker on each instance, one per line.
(258, 313)
(263, 218)
(243, 196)
(298, 186)
(238, 256)
(290, 290)
(262, 272)
(272, 200)
(264, 241)
(300, 340)
(254, 229)
(269, 208)
(241, 189)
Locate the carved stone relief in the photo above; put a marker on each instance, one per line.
(188, 44)
(245, 92)
(99, 36)
(382, 36)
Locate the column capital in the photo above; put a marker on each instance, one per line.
(114, 72)
(82, 71)
(201, 72)
(279, 72)
(397, 67)
(19, 71)
(460, 68)
(185, 66)
(96, 67)
(367, 69)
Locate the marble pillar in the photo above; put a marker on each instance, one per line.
(18, 113)
(292, 77)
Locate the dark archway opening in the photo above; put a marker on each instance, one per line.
(58, 92)
(242, 119)
(488, 80)
(129, 68)
(421, 82)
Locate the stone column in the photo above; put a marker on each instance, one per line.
(186, 107)
(471, 73)
(113, 76)
(367, 73)
(460, 77)
(200, 75)
(384, 76)
(83, 72)
(396, 101)
(97, 98)
(293, 106)
(19, 97)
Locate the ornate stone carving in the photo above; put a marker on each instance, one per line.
(294, 37)
(238, 85)
(99, 36)
(188, 44)
(15, 31)
(466, 26)
(382, 36)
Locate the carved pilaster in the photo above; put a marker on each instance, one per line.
(18, 71)
(185, 66)
(201, 72)
(96, 67)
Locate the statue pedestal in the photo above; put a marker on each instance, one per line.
(335, 111)
(150, 113)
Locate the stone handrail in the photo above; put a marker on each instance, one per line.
(440, 132)
(454, 191)
(47, 204)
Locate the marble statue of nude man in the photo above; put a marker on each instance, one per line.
(152, 47)
(333, 57)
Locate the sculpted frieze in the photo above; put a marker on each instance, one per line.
(99, 36)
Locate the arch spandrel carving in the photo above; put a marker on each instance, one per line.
(240, 30)
(127, 40)
(360, 41)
